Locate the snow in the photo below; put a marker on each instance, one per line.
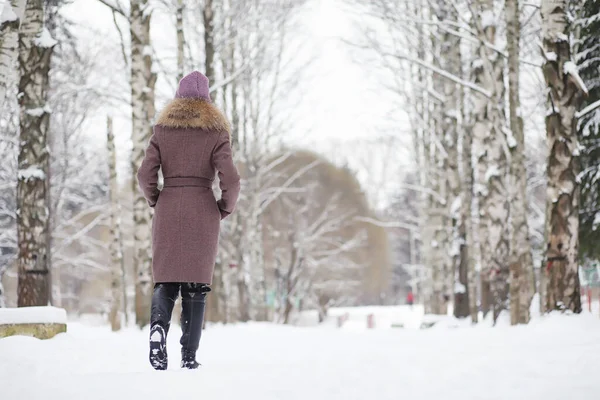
(32, 172)
(511, 141)
(33, 315)
(596, 222)
(7, 14)
(570, 68)
(491, 172)
(487, 19)
(38, 112)
(45, 39)
(450, 361)
(147, 51)
(455, 207)
(551, 56)
(552, 110)
(477, 63)
(459, 288)
(562, 37)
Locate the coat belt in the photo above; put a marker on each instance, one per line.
(185, 181)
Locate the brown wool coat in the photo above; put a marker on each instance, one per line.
(191, 143)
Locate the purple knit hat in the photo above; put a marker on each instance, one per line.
(193, 86)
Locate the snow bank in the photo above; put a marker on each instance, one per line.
(33, 315)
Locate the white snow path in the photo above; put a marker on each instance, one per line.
(555, 357)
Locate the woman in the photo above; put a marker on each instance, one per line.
(190, 143)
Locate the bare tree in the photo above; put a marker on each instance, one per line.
(521, 263)
(116, 251)
(35, 51)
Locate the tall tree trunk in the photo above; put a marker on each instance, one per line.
(436, 212)
(208, 14)
(467, 204)
(521, 262)
(35, 52)
(10, 19)
(180, 39)
(215, 310)
(492, 165)
(116, 257)
(565, 93)
(142, 114)
(456, 285)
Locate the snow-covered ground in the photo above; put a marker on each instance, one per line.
(555, 357)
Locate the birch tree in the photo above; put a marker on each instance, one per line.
(143, 80)
(489, 146)
(35, 51)
(521, 263)
(10, 20)
(116, 251)
(566, 91)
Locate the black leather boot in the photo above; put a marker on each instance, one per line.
(163, 300)
(193, 302)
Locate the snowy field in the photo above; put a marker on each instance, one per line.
(555, 357)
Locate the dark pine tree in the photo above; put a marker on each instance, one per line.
(588, 62)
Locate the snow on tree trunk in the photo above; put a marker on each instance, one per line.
(143, 79)
(521, 262)
(116, 256)
(490, 150)
(455, 275)
(10, 19)
(35, 52)
(565, 93)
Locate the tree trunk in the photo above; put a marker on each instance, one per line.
(142, 114)
(215, 311)
(455, 278)
(565, 93)
(9, 45)
(208, 14)
(467, 204)
(180, 39)
(35, 52)
(521, 262)
(116, 314)
(492, 167)
(436, 214)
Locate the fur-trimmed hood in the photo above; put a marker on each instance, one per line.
(193, 113)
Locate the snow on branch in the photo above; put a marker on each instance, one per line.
(588, 109)
(570, 69)
(443, 73)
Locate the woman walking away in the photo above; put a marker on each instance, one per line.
(191, 143)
